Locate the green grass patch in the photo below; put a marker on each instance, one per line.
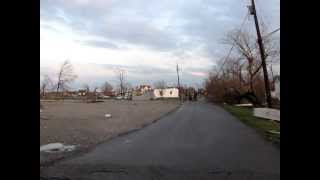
(263, 126)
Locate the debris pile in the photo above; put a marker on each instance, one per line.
(56, 147)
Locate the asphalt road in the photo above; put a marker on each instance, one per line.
(198, 141)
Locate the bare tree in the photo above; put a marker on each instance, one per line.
(240, 75)
(248, 49)
(65, 76)
(106, 88)
(46, 85)
(231, 84)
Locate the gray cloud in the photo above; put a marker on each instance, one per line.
(99, 44)
(177, 27)
(139, 22)
(138, 33)
(51, 28)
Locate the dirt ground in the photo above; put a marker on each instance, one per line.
(85, 124)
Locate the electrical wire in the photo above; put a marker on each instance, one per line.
(278, 29)
(233, 44)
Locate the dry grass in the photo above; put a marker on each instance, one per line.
(263, 126)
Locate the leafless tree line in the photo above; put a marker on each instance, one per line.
(66, 76)
(240, 74)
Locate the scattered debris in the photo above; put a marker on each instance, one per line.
(56, 147)
(267, 113)
(105, 97)
(274, 132)
(108, 116)
(44, 118)
(244, 105)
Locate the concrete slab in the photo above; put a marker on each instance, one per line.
(267, 113)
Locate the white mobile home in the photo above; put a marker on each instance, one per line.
(166, 93)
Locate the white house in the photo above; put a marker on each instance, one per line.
(276, 92)
(166, 93)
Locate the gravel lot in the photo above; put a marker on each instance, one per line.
(85, 124)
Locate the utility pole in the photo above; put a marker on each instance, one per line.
(179, 82)
(253, 12)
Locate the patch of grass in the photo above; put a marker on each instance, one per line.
(263, 126)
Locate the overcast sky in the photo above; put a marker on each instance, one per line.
(146, 38)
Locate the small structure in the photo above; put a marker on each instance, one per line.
(126, 95)
(147, 95)
(166, 93)
(276, 92)
(82, 92)
(144, 88)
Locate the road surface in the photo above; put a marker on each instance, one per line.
(198, 141)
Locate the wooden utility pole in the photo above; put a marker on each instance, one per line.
(253, 12)
(178, 82)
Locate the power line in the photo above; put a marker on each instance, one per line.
(278, 29)
(262, 15)
(233, 44)
(226, 58)
(229, 53)
(263, 18)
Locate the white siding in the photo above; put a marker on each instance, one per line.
(276, 92)
(166, 93)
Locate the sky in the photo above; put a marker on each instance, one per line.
(145, 38)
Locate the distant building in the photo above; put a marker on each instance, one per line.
(166, 93)
(144, 88)
(276, 92)
(82, 92)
